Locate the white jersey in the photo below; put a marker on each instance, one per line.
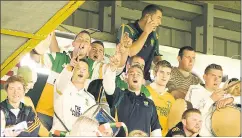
(69, 102)
(200, 99)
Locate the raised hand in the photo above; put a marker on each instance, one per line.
(114, 61)
(126, 41)
(149, 26)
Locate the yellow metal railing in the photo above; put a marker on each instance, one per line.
(36, 38)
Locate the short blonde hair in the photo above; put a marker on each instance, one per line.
(137, 133)
(85, 126)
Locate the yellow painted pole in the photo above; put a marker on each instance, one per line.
(50, 26)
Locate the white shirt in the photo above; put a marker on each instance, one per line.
(200, 99)
(69, 102)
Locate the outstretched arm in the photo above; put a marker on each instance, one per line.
(110, 75)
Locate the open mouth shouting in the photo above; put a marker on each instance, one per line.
(135, 81)
(95, 57)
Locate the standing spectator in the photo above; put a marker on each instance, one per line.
(71, 99)
(56, 61)
(97, 51)
(145, 39)
(130, 106)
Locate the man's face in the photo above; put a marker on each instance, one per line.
(138, 61)
(156, 18)
(135, 78)
(163, 75)
(15, 92)
(187, 61)
(213, 78)
(193, 122)
(80, 73)
(81, 44)
(97, 52)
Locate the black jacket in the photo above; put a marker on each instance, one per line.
(26, 113)
(177, 130)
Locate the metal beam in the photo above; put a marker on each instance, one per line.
(57, 19)
(227, 15)
(227, 34)
(21, 34)
(90, 6)
(104, 36)
(208, 29)
(103, 17)
(127, 13)
(173, 38)
(195, 23)
(177, 5)
(115, 16)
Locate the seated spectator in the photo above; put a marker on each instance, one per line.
(16, 112)
(143, 115)
(162, 99)
(30, 78)
(181, 76)
(189, 126)
(204, 97)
